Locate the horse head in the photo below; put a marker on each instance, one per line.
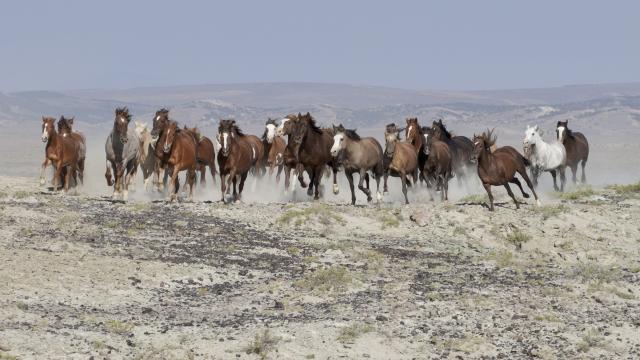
(412, 130)
(270, 130)
(48, 128)
(427, 133)
(227, 132)
(169, 135)
(65, 125)
(562, 130)
(160, 121)
(121, 123)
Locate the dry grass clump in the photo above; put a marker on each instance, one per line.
(626, 189)
(578, 193)
(350, 333)
(327, 279)
(262, 344)
(320, 212)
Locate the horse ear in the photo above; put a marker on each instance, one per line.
(44, 120)
(70, 120)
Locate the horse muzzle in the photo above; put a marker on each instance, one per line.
(44, 138)
(166, 148)
(473, 159)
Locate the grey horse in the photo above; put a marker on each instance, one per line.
(123, 154)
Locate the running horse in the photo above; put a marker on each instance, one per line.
(205, 155)
(180, 146)
(461, 148)
(236, 157)
(414, 134)
(498, 168)
(61, 152)
(65, 128)
(438, 164)
(285, 128)
(122, 150)
(401, 159)
(160, 122)
(312, 149)
(576, 146)
(274, 147)
(358, 155)
(147, 158)
(544, 156)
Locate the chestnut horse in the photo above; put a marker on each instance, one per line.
(123, 153)
(61, 151)
(274, 147)
(289, 159)
(358, 155)
(312, 149)
(180, 145)
(65, 128)
(500, 167)
(577, 147)
(236, 157)
(401, 159)
(461, 148)
(160, 122)
(415, 135)
(205, 155)
(438, 164)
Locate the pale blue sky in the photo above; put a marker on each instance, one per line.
(409, 44)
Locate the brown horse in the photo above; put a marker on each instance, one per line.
(577, 147)
(181, 147)
(438, 164)
(500, 167)
(312, 148)
(205, 155)
(401, 159)
(61, 152)
(274, 147)
(289, 159)
(414, 134)
(122, 150)
(65, 128)
(358, 155)
(461, 148)
(236, 157)
(160, 122)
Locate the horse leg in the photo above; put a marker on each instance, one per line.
(243, 177)
(316, 183)
(67, 178)
(230, 180)
(378, 194)
(43, 169)
(583, 178)
(203, 171)
(107, 174)
(173, 184)
(534, 175)
(363, 177)
(523, 173)
(574, 170)
(349, 175)
(516, 181)
(212, 170)
(191, 178)
(300, 171)
(81, 171)
(487, 188)
(445, 184)
(223, 186)
(235, 186)
(336, 188)
(506, 185)
(385, 188)
(563, 178)
(553, 175)
(278, 174)
(287, 179)
(404, 179)
(312, 179)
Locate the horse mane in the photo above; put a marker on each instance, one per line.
(489, 138)
(444, 130)
(312, 123)
(392, 128)
(163, 111)
(350, 133)
(64, 123)
(231, 123)
(124, 111)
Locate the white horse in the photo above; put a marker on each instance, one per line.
(544, 156)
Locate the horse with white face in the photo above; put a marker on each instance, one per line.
(551, 157)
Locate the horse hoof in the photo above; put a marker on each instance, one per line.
(42, 181)
(336, 189)
(238, 201)
(526, 196)
(378, 196)
(385, 193)
(125, 195)
(369, 199)
(538, 202)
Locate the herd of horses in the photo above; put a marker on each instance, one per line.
(295, 144)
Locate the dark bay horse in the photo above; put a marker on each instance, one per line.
(122, 149)
(576, 146)
(400, 160)
(61, 151)
(414, 134)
(205, 155)
(160, 122)
(312, 149)
(289, 158)
(65, 128)
(498, 168)
(274, 148)
(461, 148)
(438, 164)
(359, 155)
(236, 157)
(180, 145)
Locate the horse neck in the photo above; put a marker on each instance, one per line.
(417, 141)
(486, 159)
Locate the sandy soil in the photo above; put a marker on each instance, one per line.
(83, 277)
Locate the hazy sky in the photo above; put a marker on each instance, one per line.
(410, 44)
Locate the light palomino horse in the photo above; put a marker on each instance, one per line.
(122, 149)
(544, 156)
(147, 158)
(577, 148)
(358, 155)
(400, 160)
